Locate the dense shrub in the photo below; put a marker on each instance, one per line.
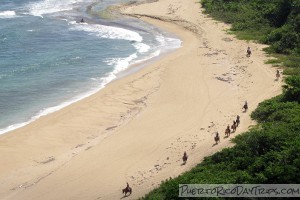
(278, 20)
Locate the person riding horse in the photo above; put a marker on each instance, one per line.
(233, 126)
(227, 131)
(237, 120)
(277, 74)
(127, 189)
(249, 52)
(184, 157)
(245, 106)
(217, 138)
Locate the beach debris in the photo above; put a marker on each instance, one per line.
(227, 39)
(225, 79)
(211, 54)
(50, 159)
(88, 148)
(79, 145)
(110, 128)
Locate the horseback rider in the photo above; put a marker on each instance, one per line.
(127, 190)
(237, 120)
(227, 131)
(228, 127)
(184, 158)
(184, 155)
(233, 126)
(245, 106)
(217, 138)
(277, 74)
(249, 51)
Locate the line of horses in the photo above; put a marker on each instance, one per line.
(228, 130)
(232, 128)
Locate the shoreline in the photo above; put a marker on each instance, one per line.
(174, 105)
(131, 68)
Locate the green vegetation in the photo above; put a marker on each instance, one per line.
(268, 153)
(276, 23)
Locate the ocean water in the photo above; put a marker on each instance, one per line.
(49, 60)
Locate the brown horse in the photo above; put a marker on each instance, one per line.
(245, 107)
(217, 138)
(127, 190)
(227, 131)
(237, 121)
(249, 52)
(277, 75)
(233, 126)
(184, 158)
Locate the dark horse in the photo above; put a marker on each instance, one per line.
(277, 74)
(227, 131)
(237, 121)
(217, 138)
(245, 107)
(184, 158)
(233, 126)
(248, 52)
(127, 190)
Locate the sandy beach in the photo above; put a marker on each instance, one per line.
(136, 129)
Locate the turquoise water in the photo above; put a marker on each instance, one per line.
(48, 60)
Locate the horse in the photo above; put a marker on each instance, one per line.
(277, 75)
(249, 52)
(184, 158)
(227, 131)
(245, 106)
(127, 190)
(237, 121)
(233, 126)
(217, 138)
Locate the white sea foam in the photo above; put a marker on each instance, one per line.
(107, 31)
(141, 47)
(7, 14)
(51, 6)
(167, 42)
(120, 64)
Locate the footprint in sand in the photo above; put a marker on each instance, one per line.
(88, 148)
